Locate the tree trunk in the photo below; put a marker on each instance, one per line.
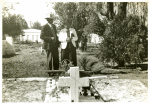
(122, 9)
(110, 11)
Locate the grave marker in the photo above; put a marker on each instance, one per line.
(4, 47)
(10, 46)
(74, 82)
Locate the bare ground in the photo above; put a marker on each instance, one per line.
(21, 91)
(122, 90)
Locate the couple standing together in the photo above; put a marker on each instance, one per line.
(66, 39)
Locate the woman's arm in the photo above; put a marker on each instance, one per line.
(75, 38)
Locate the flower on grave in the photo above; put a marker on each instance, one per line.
(70, 64)
(66, 64)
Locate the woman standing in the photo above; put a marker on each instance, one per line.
(67, 37)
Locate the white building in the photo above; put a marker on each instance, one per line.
(32, 35)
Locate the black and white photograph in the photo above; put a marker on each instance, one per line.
(74, 51)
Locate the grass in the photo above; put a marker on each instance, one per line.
(29, 62)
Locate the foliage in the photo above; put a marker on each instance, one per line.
(7, 6)
(65, 11)
(121, 40)
(124, 37)
(36, 25)
(12, 24)
(94, 25)
(81, 16)
(22, 22)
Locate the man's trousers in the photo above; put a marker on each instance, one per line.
(53, 59)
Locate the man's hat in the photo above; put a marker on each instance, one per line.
(49, 16)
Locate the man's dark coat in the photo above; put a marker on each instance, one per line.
(46, 34)
(51, 46)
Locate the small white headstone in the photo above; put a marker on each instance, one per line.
(10, 40)
(10, 46)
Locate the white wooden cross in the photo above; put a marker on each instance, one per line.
(74, 82)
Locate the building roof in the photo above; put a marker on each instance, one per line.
(31, 31)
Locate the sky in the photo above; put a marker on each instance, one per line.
(32, 10)
(35, 10)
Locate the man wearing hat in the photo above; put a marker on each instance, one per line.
(51, 44)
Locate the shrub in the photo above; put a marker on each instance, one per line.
(121, 41)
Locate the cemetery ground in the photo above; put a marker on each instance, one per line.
(28, 61)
